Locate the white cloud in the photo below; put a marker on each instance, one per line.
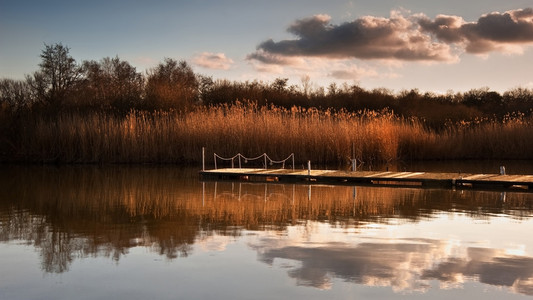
(217, 61)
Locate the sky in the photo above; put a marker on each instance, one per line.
(431, 45)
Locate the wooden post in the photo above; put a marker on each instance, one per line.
(203, 158)
(354, 165)
(293, 161)
(308, 168)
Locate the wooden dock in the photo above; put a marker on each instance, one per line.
(422, 179)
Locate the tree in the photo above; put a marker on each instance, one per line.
(172, 84)
(306, 85)
(280, 84)
(112, 81)
(15, 93)
(206, 86)
(58, 74)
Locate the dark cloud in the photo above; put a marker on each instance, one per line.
(412, 38)
(364, 38)
(491, 32)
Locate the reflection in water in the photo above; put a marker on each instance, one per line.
(406, 264)
(69, 213)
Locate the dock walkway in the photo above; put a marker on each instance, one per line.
(423, 179)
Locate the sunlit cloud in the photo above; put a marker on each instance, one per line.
(217, 61)
(396, 37)
(353, 73)
(402, 37)
(504, 32)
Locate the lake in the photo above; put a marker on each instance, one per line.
(153, 232)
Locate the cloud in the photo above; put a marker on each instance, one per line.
(405, 265)
(492, 32)
(415, 37)
(209, 60)
(353, 73)
(266, 57)
(368, 37)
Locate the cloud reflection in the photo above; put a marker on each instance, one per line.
(406, 265)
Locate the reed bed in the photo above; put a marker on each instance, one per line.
(324, 137)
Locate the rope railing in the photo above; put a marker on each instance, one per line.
(266, 159)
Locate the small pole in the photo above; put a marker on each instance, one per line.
(203, 158)
(215, 158)
(354, 165)
(308, 168)
(265, 161)
(293, 161)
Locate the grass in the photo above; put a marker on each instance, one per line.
(324, 137)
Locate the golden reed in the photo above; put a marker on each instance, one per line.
(324, 137)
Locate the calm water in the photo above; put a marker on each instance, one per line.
(159, 233)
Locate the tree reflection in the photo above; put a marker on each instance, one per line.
(73, 212)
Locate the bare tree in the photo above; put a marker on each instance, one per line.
(172, 84)
(58, 74)
(112, 81)
(15, 93)
(306, 85)
(280, 84)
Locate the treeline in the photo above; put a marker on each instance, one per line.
(107, 112)
(61, 83)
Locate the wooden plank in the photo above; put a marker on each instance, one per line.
(373, 177)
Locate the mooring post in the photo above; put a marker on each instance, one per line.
(354, 165)
(203, 158)
(292, 161)
(308, 168)
(502, 170)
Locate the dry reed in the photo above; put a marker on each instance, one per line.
(324, 137)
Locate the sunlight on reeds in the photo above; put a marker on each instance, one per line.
(324, 137)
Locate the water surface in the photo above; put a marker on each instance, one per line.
(159, 233)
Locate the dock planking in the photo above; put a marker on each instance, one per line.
(387, 178)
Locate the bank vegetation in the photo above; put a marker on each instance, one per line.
(107, 112)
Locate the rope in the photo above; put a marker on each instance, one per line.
(246, 159)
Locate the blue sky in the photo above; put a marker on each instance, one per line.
(426, 44)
